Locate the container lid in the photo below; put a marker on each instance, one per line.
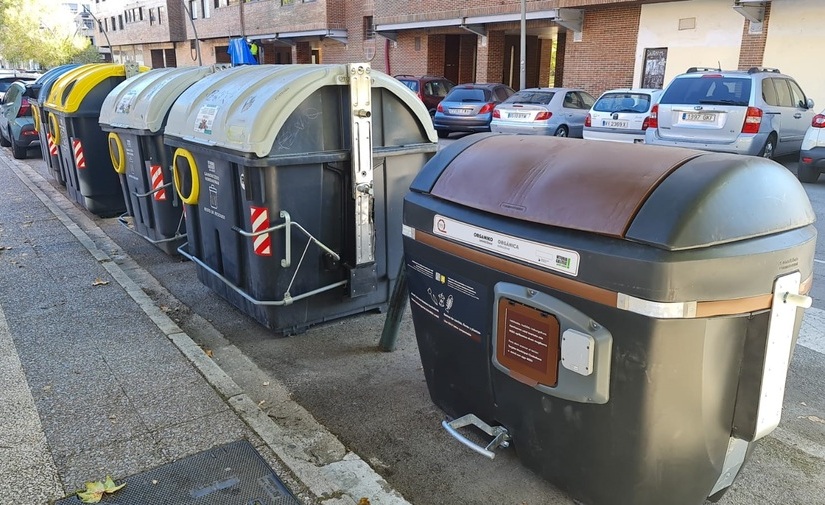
(142, 101)
(44, 83)
(71, 88)
(671, 198)
(244, 108)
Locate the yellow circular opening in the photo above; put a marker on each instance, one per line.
(183, 154)
(36, 114)
(54, 127)
(116, 153)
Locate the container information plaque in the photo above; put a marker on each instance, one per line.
(527, 343)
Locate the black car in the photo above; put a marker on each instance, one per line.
(469, 108)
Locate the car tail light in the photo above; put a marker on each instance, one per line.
(487, 108)
(646, 123)
(496, 114)
(543, 116)
(25, 108)
(440, 108)
(588, 121)
(653, 120)
(753, 120)
(818, 121)
(807, 160)
(29, 133)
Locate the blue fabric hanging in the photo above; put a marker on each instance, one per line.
(239, 53)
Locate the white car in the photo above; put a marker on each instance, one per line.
(621, 115)
(812, 154)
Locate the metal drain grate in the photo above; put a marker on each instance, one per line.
(234, 473)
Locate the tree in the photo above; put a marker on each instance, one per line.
(39, 30)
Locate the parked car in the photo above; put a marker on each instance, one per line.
(469, 108)
(16, 122)
(621, 115)
(758, 112)
(543, 111)
(430, 89)
(812, 154)
(9, 76)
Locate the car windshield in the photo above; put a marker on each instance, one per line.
(413, 85)
(708, 90)
(531, 97)
(4, 86)
(468, 95)
(623, 102)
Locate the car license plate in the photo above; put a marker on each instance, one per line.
(517, 115)
(614, 124)
(699, 117)
(461, 112)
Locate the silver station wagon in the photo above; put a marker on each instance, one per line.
(758, 112)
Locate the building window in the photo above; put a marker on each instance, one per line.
(120, 21)
(140, 13)
(204, 8)
(193, 9)
(160, 15)
(287, 2)
(112, 24)
(369, 28)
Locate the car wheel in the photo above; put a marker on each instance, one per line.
(19, 152)
(806, 173)
(769, 147)
(442, 134)
(3, 141)
(561, 131)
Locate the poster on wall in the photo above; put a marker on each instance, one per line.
(653, 73)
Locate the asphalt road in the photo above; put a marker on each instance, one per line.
(378, 405)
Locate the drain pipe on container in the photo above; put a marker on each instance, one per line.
(387, 56)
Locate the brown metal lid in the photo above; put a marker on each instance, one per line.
(583, 185)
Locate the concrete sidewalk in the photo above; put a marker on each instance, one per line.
(97, 380)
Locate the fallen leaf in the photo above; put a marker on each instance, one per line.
(266, 383)
(209, 352)
(803, 404)
(261, 402)
(364, 501)
(100, 282)
(165, 308)
(95, 490)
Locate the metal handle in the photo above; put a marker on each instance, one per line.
(797, 115)
(803, 301)
(144, 195)
(500, 434)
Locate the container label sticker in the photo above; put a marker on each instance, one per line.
(124, 105)
(457, 303)
(542, 255)
(206, 116)
(213, 178)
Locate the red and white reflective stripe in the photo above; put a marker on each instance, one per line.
(260, 221)
(52, 145)
(157, 183)
(79, 158)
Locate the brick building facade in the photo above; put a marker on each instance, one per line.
(591, 44)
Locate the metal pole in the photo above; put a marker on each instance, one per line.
(194, 31)
(100, 27)
(523, 49)
(398, 302)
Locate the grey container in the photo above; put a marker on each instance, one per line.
(293, 178)
(134, 114)
(623, 315)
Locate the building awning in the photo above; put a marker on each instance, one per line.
(290, 38)
(568, 18)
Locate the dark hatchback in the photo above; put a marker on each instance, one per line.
(429, 88)
(469, 108)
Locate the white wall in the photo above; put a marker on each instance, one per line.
(794, 44)
(714, 41)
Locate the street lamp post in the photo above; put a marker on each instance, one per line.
(100, 26)
(523, 47)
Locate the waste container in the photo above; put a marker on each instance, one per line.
(622, 315)
(73, 108)
(42, 86)
(293, 178)
(134, 114)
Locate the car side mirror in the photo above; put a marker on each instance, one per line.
(810, 103)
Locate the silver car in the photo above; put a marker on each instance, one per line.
(758, 112)
(621, 115)
(543, 111)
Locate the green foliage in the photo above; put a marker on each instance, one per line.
(88, 55)
(39, 30)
